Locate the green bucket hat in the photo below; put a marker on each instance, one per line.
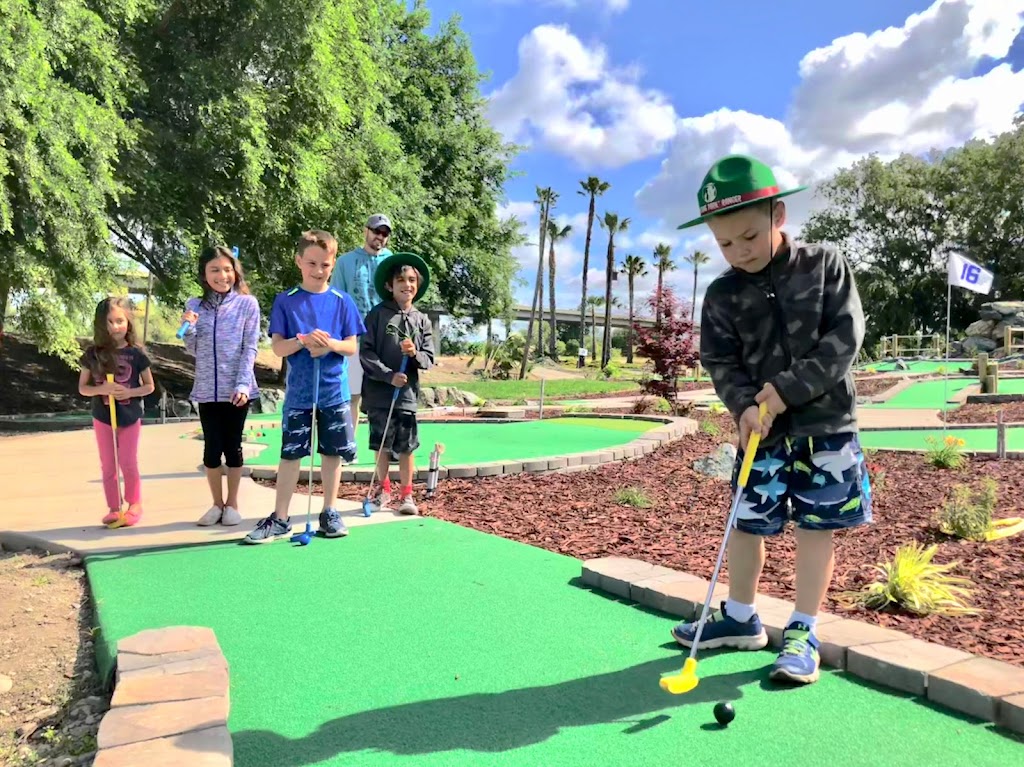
(734, 182)
(388, 265)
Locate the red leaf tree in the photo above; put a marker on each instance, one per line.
(670, 345)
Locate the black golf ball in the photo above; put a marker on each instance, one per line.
(724, 713)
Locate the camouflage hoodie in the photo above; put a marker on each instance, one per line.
(799, 324)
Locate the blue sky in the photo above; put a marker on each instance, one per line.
(646, 93)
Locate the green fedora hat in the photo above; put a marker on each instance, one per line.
(385, 267)
(734, 182)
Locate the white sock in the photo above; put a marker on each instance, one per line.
(739, 611)
(810, 620)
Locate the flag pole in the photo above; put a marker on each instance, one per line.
(945, 369)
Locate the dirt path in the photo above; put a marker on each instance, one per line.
(50, 706)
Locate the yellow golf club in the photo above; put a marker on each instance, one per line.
(119, 522)
(687, 679)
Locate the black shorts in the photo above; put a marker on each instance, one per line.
(403, 433)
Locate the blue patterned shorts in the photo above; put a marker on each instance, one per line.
(820, 483)
(333, 433)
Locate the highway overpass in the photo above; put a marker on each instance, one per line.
(137, 283)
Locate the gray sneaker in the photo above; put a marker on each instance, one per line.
(269, 530)
(408, 506)
(332, 525)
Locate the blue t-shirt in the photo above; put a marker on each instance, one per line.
(298, 311)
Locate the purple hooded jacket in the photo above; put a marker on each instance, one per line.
(223, 340)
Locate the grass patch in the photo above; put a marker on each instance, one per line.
(500, 391)
(633, 496)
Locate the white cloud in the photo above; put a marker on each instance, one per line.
(903, 89)
(568, 99)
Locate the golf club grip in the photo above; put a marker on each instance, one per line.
(401, 369)
(113, 405)
(748, 455)
(183, 330)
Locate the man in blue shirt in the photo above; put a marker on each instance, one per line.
(313, 321)
(353, 274)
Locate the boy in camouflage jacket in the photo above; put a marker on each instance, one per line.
(782, 326)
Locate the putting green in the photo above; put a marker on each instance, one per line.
(919, 366)
(424, 643)
(905, 439)
(469, 443)
(927, 395)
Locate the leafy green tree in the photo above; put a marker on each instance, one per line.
(63, 84)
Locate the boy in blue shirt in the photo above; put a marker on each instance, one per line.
(313, 321)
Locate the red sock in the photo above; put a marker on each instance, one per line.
(387, 484)
(407, 491)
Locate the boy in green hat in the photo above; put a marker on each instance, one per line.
(782, 326)
(395, 328)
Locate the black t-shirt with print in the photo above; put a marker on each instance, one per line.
(131, 362)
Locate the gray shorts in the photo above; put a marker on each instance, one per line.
(403, 432)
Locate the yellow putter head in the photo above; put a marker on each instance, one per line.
(682, 682)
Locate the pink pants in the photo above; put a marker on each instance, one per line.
(127, 455)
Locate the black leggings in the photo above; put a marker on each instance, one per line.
(222, 433)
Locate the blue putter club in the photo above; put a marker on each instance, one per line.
(304, 538)
(367, 505)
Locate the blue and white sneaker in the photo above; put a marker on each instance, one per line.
(269, 530)
(332, 525)
(799, 660)
(722, 631)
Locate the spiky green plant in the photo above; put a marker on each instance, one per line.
(911, 581)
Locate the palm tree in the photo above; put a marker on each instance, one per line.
(632, 267)
(593, 187)
(593, 302)
(614, 226)
(546, 198)
(664, 264)
(554, 235)
(696, 259)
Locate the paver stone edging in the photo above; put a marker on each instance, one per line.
(984, 688)
(170, 703)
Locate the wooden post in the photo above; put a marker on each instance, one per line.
(540, 413)
(1000, 436)
(982, 365)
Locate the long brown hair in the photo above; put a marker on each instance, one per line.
(219, 251)
(103, 359)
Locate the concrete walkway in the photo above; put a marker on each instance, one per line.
(54, 496)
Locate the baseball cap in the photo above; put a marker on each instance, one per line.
(378, 219)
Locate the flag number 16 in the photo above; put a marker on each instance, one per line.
(970, 273)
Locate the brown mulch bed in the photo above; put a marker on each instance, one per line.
(576, 515)
(872, 387)
(1013, 412)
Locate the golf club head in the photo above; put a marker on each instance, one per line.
(367, 507)
(684, 681)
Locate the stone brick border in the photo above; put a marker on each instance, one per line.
(170, 703)
(672, 429)
(986, 689)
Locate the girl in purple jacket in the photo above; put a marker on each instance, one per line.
(223, 334)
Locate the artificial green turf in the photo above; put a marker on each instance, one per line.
(919, 366)
(468, 443)
(424, 643)
(906, 439)
(927, 395)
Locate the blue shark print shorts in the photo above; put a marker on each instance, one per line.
(333, 433)
(820, 483)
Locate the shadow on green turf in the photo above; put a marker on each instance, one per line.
(494, 723)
